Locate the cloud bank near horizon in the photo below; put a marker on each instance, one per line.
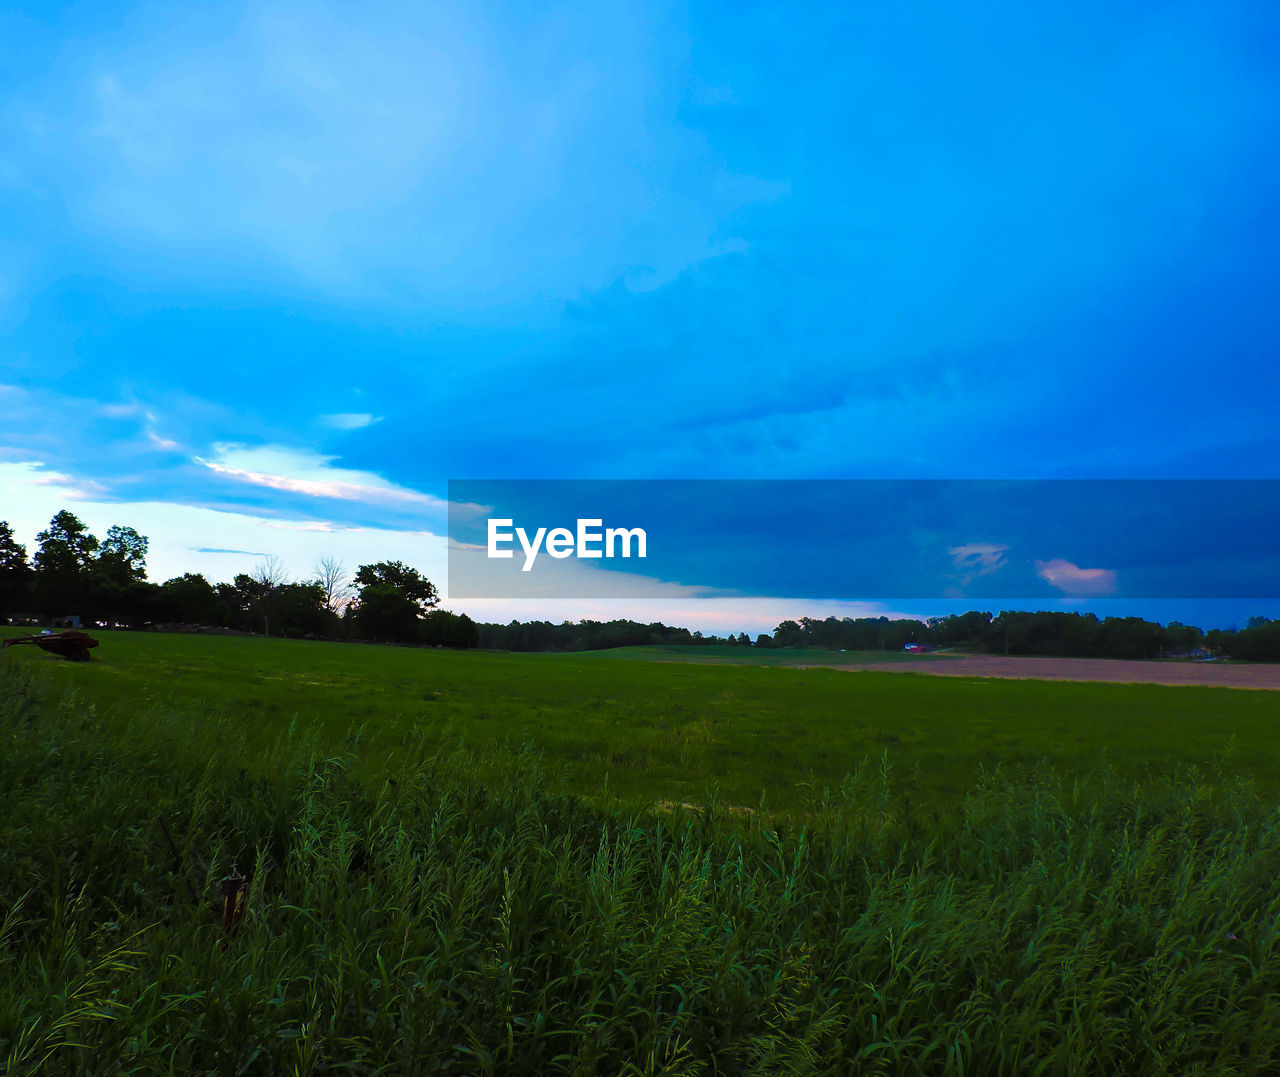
(181, 534)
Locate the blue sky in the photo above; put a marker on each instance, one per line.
(270, 275)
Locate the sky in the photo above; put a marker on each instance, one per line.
(272, 275)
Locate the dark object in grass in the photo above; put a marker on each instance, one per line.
(73, 646)
(177, 857)
(234, 890)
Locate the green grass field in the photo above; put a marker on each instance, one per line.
(428, 891)
(663, 730)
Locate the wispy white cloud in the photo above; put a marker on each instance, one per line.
(16, 474)
(311, 474)
(120, 411)
(235, 553)
(977, 559)
(349, 420)
(126, 443)
(164, 444)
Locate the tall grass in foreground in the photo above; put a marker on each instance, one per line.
(432, 922)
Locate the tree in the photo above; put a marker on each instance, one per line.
(444, 629)
(263, 589)
(66, 545)
(387, 614)
(62, 563)
(331, 574)
(298, 610)
(117, 590)
(1259, 641)
(249, 599)
(964, 628)
(15, 573)
(1131, 637)
(190, 599)
(408, 581)
(1180, 638)
(1219, 640)
(235, 602)
(788, 634)
(392, 602)
(123, 555)
(269, 573)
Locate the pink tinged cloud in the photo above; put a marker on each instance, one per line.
(1073, 580)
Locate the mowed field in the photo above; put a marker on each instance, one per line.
(665, 729)
(1218, 674)
(1260, 676)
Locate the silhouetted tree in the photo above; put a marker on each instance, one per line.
(408, 581)
(386, 614)
(331, 574)
(122, 556)
(15, 574)
(444, 629)
(299, 610)
(1259, 642)
(62, 564)
(190, 599)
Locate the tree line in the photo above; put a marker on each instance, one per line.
(1043, 632)
(594, 636)
(104, 582)
(73, 573)
(1014, 632)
